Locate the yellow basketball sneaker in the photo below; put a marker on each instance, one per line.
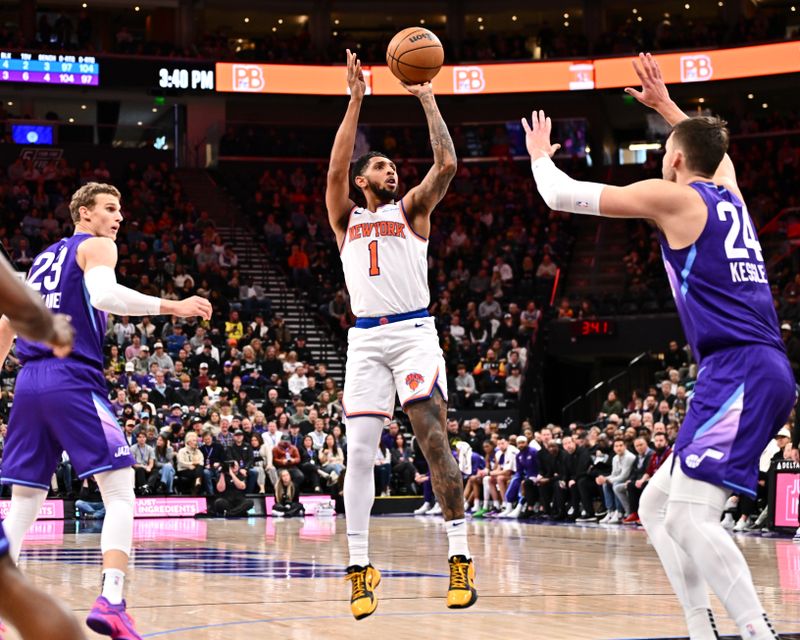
(364, 581)
(462, 593)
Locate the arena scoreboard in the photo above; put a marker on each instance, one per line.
(49, 68)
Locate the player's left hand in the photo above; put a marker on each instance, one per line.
(537, 136)
(419, 90)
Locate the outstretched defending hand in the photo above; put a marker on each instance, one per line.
(537, 136)
(355, 76)
(654, 91)
(194, 306)
(419, 90)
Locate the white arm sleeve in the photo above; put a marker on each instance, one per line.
(562, 193)
(106, 294)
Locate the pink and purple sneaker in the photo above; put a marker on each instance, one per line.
(111, 620)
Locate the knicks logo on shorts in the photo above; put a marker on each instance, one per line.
(413, 380)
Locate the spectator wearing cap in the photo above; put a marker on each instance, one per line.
(792, 348)
(175, 414)
(207, 352)
(242, 451)
(161, 358)
(203, 377)
(213, 391)
(176, 340)
(141, 363)
(490, 380)
(129, 432)
(507, 331)
(295, 435)
(227, 375)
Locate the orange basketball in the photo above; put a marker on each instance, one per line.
(415, 55)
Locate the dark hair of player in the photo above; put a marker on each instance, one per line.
(704, 142)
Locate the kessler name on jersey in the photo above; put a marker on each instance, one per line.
(377, 229)
(748, 272)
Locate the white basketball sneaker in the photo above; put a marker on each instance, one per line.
(435, 510)
(423, 509)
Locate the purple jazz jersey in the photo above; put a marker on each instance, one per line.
(745, 388)
(55, 274)
(61, 405)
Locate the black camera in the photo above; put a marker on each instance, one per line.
(227, 464)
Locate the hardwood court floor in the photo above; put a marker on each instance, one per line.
(257, 578)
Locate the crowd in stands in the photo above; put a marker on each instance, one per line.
(74, 31)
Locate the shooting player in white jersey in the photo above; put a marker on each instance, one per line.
(394, 346)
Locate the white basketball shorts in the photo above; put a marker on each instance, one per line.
(401, 357)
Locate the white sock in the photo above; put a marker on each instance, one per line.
(496, 504)
(758, 629)
(358, 543)
(113, 582)
(701, 625)
(457, 538)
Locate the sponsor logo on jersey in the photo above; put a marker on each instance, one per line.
(413, 380)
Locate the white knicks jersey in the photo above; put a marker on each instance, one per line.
(385, 263)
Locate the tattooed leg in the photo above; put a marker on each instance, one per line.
(428, 419)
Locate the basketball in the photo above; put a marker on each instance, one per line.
(415, 55)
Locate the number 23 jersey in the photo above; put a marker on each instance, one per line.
(55, 274)
(385, 262)
(719, 283)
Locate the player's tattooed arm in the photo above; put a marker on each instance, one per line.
(421, 200)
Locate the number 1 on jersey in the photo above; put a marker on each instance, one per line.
(374, 269)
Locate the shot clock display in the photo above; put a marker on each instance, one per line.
(186, 78)
(46, 68)
(594, 328)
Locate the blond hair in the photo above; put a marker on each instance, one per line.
(85, 197)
